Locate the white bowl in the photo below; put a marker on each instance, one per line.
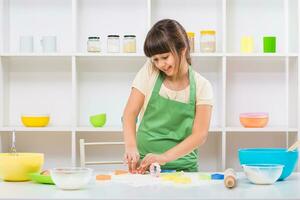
(263, 173)
(72, 178)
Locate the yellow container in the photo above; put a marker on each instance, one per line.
(16, 167)
(247, 44)
(35, 120)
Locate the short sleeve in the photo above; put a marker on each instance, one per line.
(204, 93)
(141, 79)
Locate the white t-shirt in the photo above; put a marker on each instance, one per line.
(146, 78)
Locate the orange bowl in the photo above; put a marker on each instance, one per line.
(254, 120)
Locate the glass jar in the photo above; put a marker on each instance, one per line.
(93, 44)
(113, 43)
(129, 44)
(207, 41)
(191, 37)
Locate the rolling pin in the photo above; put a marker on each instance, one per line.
(230, 178)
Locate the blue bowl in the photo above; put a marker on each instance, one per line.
(270, 156)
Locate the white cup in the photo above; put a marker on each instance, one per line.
(26, 44)
(48, 44)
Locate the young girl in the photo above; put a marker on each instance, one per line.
(174, 103)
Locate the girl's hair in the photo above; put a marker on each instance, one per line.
(165, 36)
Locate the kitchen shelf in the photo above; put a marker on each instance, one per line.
(74, 84)
(261, 55)
(37, 129)
(35, 54)
(119, 129)
(104, 129)
(115, 55)
(260, 130)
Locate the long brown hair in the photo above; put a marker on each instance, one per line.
(165, 36)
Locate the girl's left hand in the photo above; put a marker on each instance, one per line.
(149, 159)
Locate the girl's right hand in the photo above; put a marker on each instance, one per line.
(131, 158)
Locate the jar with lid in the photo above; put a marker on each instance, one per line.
(191, 38)
(207, 41)
(113, 43)
(93, 44)
(129, 44)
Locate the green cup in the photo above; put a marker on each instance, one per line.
(98, 120)
(269, 44)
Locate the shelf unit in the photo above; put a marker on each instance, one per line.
(73, 84)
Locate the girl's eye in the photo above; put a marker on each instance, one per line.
(165, 57)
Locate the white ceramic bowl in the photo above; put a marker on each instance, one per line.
(71, 178)
(263, 173)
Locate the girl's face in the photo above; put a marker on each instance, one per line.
(165, 62)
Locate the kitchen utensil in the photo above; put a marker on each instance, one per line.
(16, 167)
(35, 120)
(13, 143)
(98, 120)
(254, 120)
(269, 44)
(230, 180)
(26, 44)
(72, 178)
(247, 44)
(48, 44)
(270, 156)
(294, 146)
(263, 173)
(40, 178)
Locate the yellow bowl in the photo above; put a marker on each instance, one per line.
(35, 120)
(16, 167)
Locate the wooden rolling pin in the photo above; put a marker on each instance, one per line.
(230, 178)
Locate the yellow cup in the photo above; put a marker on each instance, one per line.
(247, 44)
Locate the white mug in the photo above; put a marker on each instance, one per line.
(48, 44)
(26, 44)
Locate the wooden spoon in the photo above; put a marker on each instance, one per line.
(294, 146)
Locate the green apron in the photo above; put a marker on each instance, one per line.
(166, 123)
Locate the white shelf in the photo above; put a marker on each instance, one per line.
(109, 54)
(37, 129)
(259, 130)
(78, 129)
(104, 129)
(260, 55)
(35, 54)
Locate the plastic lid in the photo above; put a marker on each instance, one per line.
(217, 176)
(208, 32)
(129, 36)
(94, 37)
(255, 115)
(190, 34)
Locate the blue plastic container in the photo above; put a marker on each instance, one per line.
(270, 156)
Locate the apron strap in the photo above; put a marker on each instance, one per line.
(161, 77)
(192, 86)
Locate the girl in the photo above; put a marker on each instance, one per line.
(174, 103)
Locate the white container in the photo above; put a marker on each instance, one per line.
(72, 178)
(129, 44)
(48, 44)
(93, 44)
(207, 41)
(26, 44)
(263, 174)
(113, 43)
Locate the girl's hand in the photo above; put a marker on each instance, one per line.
(131, 158)
(149, 159)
